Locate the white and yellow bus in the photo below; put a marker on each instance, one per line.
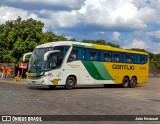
(67, 63)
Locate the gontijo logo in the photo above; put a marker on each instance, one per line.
(125, 67)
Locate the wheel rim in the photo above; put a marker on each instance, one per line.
(133, 83)
(70, 83)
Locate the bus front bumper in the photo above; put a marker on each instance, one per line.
(39, 81)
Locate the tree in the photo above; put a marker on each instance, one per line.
(18, 37)
(101, 42)
(137, 49)
(112, 45)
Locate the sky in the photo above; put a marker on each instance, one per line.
(129, 23)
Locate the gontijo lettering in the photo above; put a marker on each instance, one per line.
(125, 67)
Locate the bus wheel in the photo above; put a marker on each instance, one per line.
(133, 82)
(70, 83)
(125, 82)
(52, 86)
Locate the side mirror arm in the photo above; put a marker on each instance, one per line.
(27, 54)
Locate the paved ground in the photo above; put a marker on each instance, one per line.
(19, 98)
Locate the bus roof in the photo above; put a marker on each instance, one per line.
(87, 45)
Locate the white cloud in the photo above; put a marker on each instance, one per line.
(154, 33)
(69, 37)
(148, 10)
(115, 14)
(10, 13)
(116, 36)
(111, 14)
(138, 44)
(108, 14)
(102, 32)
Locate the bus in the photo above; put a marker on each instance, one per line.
(68, 63)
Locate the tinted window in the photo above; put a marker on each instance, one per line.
(94, 55)
(105, 56)
(81, 53)
(143, 59)
(117, 57)
(128, 58)
(136, 58)
(63, 49)
(73, 55)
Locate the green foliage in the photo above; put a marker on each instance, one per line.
(137, 49)
(113, 45)
(73, 39)
(21, 36)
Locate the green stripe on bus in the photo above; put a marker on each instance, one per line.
(102, 70)
(92, 70)
(34, 74)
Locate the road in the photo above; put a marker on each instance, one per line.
(19, 98)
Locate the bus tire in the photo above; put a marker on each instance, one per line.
(52, 86)
(70, 83)
(125, 82)
(133, 82)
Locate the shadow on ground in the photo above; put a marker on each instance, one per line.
(80, 87)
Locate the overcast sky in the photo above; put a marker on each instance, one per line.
(129, 23)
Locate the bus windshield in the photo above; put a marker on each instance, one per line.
(54, 60)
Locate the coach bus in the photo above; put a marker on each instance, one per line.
(67, 63)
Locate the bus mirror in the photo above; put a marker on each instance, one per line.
(48, 53)
(27, 54)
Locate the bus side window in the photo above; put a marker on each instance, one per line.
(65, 50)
(117, 57)
(94, 55)
(136, 58)
(143, 59)
(107, 56)
(129, 58)
(73, 55)
(97, 56)
(81, 54)
(101, 55)
(124, 57)
(88, 54)
(146, 58)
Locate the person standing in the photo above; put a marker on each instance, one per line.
(9, 70)
(4, 71)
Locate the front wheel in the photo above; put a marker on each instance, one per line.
(133, 83)
(125, 82)
(70, 83)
